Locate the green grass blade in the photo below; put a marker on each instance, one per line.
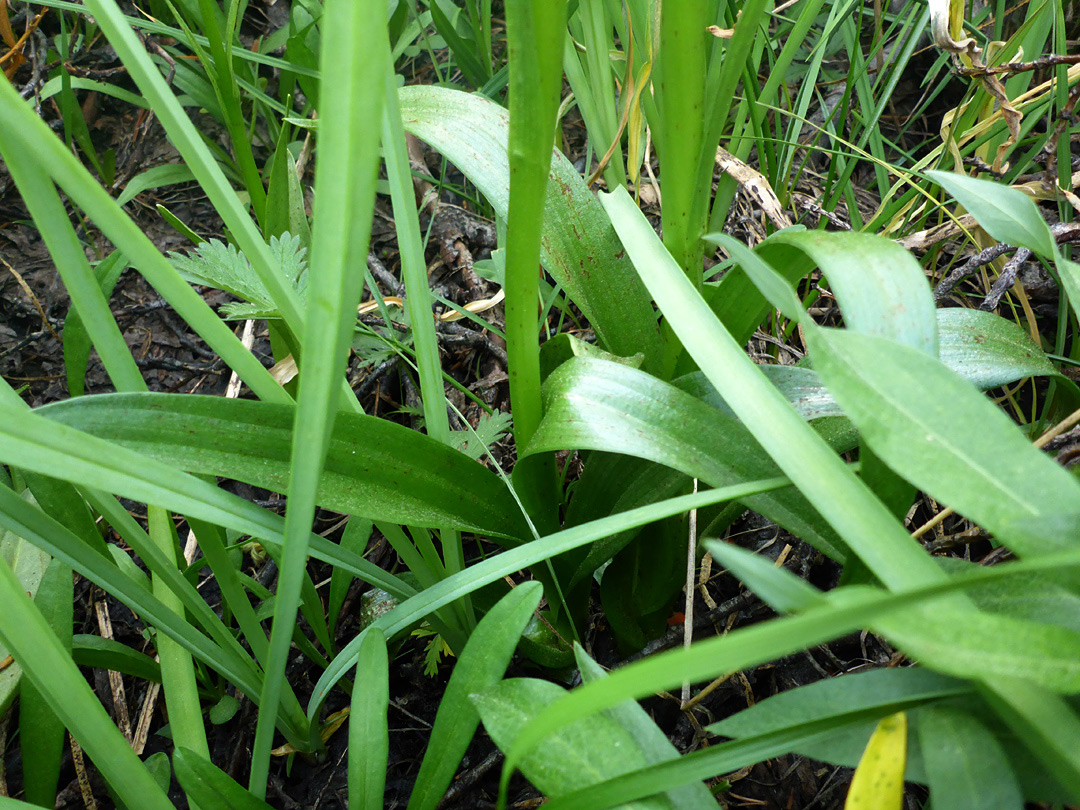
(186, 138)
(34, 140)
(516, 559)
(177, 673)
(355, 53)
(41, 733)
(859, 518)
(743, 649)
(43, 658)
(369, 738)
(680, 137)
(480, 665)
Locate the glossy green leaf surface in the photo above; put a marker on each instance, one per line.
(374, 467)
(940, 434)
(580, 753)
(579, 247)
(601, 405)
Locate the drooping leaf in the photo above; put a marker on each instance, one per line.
(600, 405)
(374, 468)
(938, 432)
(1005, 213)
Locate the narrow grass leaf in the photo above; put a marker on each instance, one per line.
(755, 645)
(51, 448)
(648, 737)
(35, 140)
(982, 643)
(45, 660)
(938, 432)
(862, 521)
(369, 738)
(966, 767)
(209, 786)
(41, 733)
(478, 668)
(355, 53)
(1005, 213)
(168, 175)
(878, 783)
(521, 557)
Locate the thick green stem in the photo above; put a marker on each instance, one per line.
(535, 34)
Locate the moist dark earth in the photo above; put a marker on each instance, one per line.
(34, 308)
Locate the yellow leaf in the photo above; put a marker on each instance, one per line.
(879, 780)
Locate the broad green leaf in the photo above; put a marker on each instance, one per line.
(881, 288)
(1045, 723)
(652, 741)
(940, 434)
(1007, 214)
(579, 754)
(44, 659)
(599, 405)
(209, 787)
(369, 741)
(886, 689)
(763, 642)
(1037, 598)
(979, 642)
(988, 350)
(478, 668)
(878, 783)
(966, 767)
(578, 247)
(859, 518)
(374, 467)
